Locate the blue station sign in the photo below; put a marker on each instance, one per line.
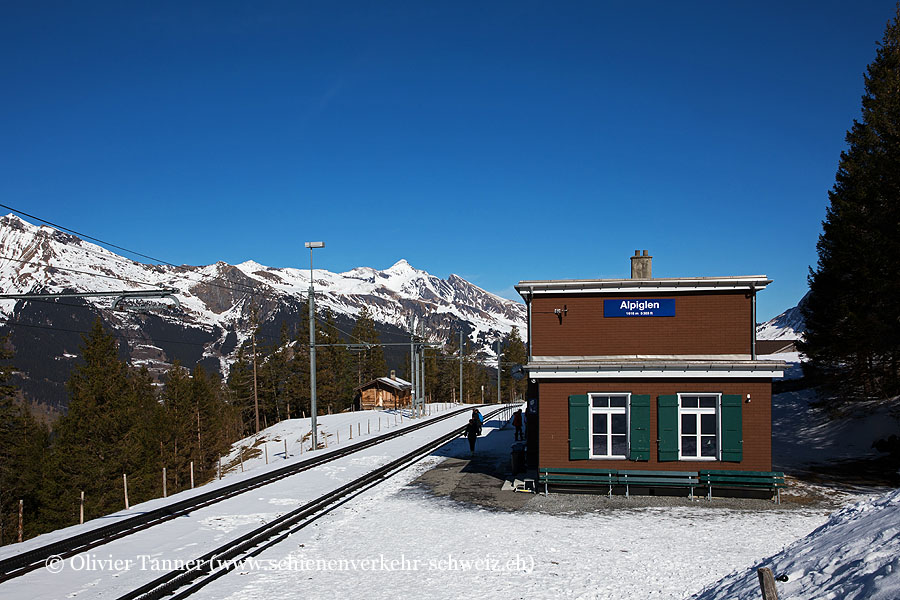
(644, 307)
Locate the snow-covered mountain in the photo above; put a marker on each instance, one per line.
(216, 302)
(789, 325)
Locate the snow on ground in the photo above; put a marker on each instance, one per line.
(334, 431)
(804, 434)
(854, 556)
(126, 563)
(399, 540)
(271, 440)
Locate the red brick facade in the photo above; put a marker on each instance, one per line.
(553, 449)
(704, 323)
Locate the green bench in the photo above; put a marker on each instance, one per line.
(608, 478)
(767, 480)
(688, 479)
(585, 477)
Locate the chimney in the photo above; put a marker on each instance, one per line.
(393, 375)
(641, 265)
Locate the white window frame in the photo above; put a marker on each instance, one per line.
(609, 411)
(717, 410)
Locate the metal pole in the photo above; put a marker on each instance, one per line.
(460, 363)
(312, 353)
(255, 397)
(498, 372)
(422, 372)
(412, 357)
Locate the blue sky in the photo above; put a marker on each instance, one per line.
(499, 141)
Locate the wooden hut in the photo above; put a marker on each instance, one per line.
(383, 393)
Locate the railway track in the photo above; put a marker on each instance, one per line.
(205, 569)
(34, 559)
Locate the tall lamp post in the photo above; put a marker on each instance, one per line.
(312, 344)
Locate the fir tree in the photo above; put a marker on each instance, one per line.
(179, 410)
(371, 363)
(335, 377)
(110, 430)
(22, 445)
(853, 334)
(513, 354)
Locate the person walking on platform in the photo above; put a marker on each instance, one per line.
(472, 431)
(476, 414)
(517, 423)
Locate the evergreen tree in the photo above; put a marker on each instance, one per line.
(371, 363)
(853, 334)
(211, 423)
(335, 375)
(513, 354)
(109, 430)
(22, 445)
(179, 410)
(240, 387)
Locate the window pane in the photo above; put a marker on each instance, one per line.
(617, 401)
(688, 445)
(600, 401)
(600, 423)
(600, 447)
(707, 402)
(708, 445)
(688, 424)
(618, 424)
(708, 424)
(689, 401)
(619, 445)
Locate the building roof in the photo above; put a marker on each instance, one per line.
(397, 383)
(637, 286)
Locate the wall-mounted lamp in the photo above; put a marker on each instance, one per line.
(561, 312)
(748, 398)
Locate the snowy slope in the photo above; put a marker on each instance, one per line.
(789, 325)
(854, 556)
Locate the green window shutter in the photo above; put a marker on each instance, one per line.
(639, 418)
(579, 413)
(732, 428)
(667, 422)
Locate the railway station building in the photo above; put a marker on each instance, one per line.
(648, 374)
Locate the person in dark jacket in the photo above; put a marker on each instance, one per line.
(472, 431)
(476, 414)
(517, 423)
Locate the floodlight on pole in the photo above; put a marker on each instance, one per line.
(312, 345)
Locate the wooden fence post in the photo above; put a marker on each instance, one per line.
(21, 519)
(285, 449)
(81, 510)
(165, 495)
(266, 448)
(241, 455)
(767, 584)
(125, 482)
(192, 474)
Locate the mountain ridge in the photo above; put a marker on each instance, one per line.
(216, 304)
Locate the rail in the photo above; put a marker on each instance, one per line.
(197, 573)
(30, 560)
